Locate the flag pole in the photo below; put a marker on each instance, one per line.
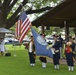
(14, 47)
(23, 8)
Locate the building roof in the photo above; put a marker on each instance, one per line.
(4, 30)
(65, 11)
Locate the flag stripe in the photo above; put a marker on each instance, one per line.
(24, 33)
(20, 40)
(18, 28)
(23, 27)
(24, 23)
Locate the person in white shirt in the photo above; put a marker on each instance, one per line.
(43, 58)
(2, 48)
(31, 52)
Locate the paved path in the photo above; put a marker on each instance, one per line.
(62, 61)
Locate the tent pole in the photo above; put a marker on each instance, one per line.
(66, 30)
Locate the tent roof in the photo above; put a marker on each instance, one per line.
(65, 11)
(4, 30)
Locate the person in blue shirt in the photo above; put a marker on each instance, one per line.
(56, 48)
(61, 45)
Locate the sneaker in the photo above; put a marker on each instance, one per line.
(72, 68)
(33, 64)
(58, 67)
(55, 67)
(43, 65)
(69, 68)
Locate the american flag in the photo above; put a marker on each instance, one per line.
(23, 25)
(18, 27)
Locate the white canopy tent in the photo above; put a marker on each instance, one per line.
(2, 36)
(3, 31)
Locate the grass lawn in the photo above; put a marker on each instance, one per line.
(19, 64)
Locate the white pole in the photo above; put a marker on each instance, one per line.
(14, 48)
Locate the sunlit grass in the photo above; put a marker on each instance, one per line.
(19, 64)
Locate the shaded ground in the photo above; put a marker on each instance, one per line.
(62, 61)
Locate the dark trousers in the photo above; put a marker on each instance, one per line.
(31, 57)
(43, 59)
(56, 58)
(69, 58)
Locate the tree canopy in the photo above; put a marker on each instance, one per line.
(10, 9)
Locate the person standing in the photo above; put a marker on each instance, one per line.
(43, 58)
(61, 46)
(31, 52)
(56, 56)
(69, 52)
(2, 48)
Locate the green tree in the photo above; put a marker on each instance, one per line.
(10, 9)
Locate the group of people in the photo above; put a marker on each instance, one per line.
(69, 51)
(57, 47)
